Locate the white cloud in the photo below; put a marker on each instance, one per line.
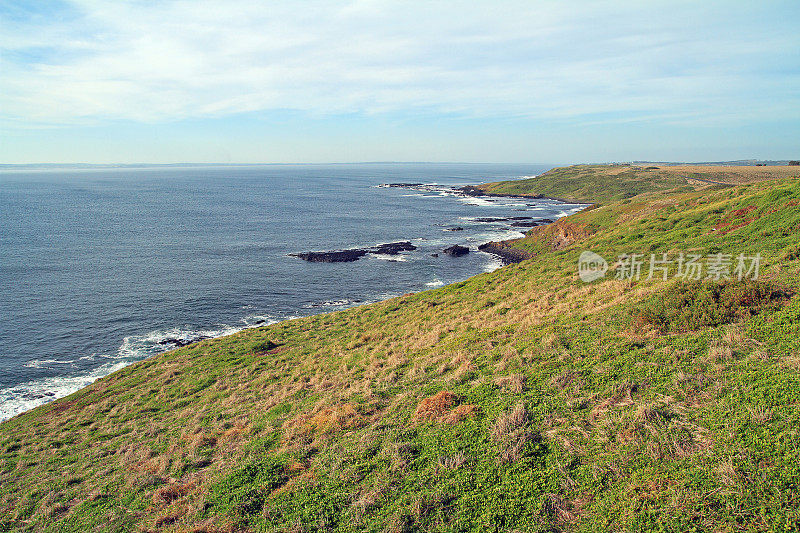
(161, 61)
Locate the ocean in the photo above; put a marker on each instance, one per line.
(102, 267)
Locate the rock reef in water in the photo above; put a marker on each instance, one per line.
(345, 256)
(506, 253)
(456, 250)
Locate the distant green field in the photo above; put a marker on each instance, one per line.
(518, 400)
(608, 183)
(589, 183)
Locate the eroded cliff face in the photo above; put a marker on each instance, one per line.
(555, 236)
(505, 251)
(564, 233)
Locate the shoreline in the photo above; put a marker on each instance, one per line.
(476, 191)
(504, 254)
(507, 253)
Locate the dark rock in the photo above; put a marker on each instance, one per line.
(501, 219)
(506, 253)
(472, 190)
(340, 256)
(345, 256)
(526, 224)
(180, 343)
(393, 248)
(434, 255)
(456, 250)
(545, 221)
(457, 228)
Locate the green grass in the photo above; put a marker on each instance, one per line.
(616, 405)
(589, 183)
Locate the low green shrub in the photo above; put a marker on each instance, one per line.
(687, 306)
(243, 492)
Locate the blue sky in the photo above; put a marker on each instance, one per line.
(369, 80)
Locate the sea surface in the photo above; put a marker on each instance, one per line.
(102, 267)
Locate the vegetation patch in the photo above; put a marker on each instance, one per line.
(558, 413)
(512, 432)
(735, 220)
(243, 492)
(436, 406)
(687, 306)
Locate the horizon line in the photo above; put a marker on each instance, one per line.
(221, 164)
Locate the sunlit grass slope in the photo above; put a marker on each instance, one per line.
(608, 183)
(518, 400)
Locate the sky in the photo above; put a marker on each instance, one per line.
(232, 81)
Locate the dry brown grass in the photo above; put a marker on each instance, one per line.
(511, 432)
(174, 491)
(456, 460)
(433, 407)
(462, 412)
(735, 175)
(514, 383)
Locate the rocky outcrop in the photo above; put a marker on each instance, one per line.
(392, 248)
(510, 219)
(337, 256)
(565, 233)
(473, 190)
(456, 250)
(505, 252)
(177, 342)
(345, 256)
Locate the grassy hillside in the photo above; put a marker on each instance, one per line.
(518, 400)
(608, 183)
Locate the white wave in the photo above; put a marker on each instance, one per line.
(493, 263)
(332, 303)
(26, 396)
(471, 200)
(258, 321)
(435, 283)
(497, 235)
(141, 346)
(388, 257)
(380, 297)
(44, 363)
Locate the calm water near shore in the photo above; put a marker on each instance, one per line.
(103, 267)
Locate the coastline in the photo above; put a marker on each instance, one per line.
(416, 388)
(504, 250)
(476, 191)
(33, 392)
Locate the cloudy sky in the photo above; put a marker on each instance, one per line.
(369, 80)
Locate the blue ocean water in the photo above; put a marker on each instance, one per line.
(102, 267)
